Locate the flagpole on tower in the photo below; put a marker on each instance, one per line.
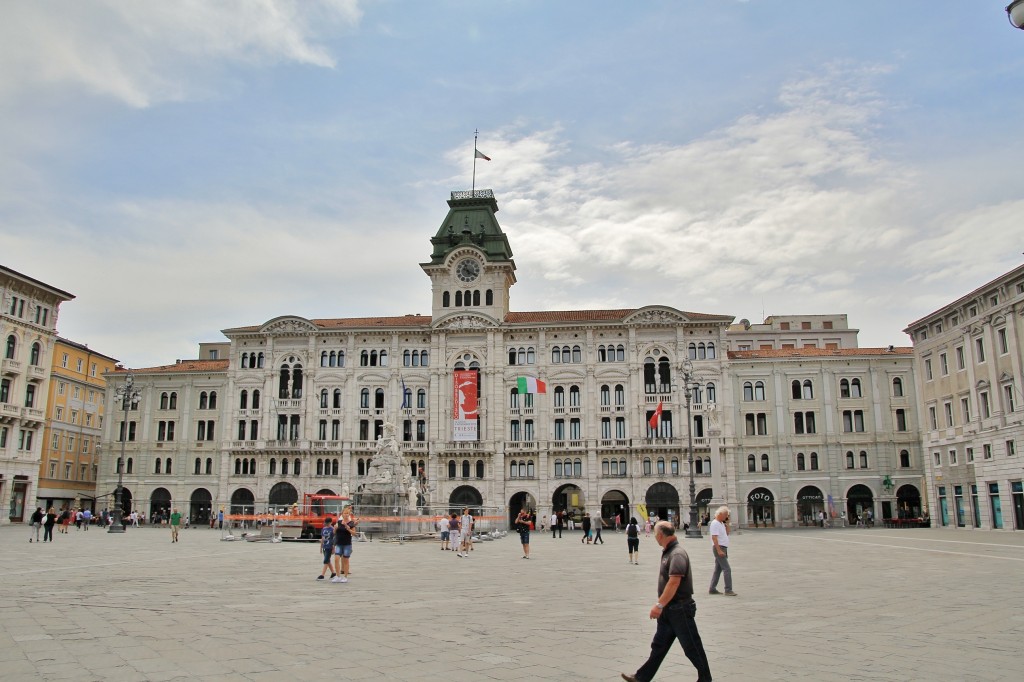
(476, 133)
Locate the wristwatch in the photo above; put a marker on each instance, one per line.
(659, 606)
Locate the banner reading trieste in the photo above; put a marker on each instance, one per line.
(464, 409)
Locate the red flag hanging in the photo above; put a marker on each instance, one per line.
(656, 417)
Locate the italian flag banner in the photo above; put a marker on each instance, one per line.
(531, 385)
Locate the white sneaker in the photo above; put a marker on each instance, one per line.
(338, 580)
(342, 580)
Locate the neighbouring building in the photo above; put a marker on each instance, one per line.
(788, 418)
(969, 357)
(73, 431)
(28, 328)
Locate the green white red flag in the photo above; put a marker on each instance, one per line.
(531, 385)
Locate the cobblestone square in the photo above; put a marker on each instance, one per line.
(813, 604)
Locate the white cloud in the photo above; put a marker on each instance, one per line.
(141, 53)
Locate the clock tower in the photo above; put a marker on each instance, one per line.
(471, 267)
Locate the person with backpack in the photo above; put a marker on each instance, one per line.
(327, 547)
(37, 523)
(633, 541)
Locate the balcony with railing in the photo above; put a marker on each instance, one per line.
(36, 373)
(9, 412)
(10, 367)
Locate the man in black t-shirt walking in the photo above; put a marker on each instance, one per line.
(674, 611)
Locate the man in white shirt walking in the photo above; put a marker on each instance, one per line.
(719, 530)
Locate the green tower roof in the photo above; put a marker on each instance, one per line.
(471, 222)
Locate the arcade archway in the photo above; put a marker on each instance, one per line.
(465, 496)
(200, 506)
(615, 503)
(160, 504)
(859, 501)
(662, 500)
(521, 500)
(243, 502)
(570, 499)
(908, 502)
(761, 507)
(809, 503)
(282, 496)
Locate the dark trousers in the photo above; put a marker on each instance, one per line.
(559, 529)
(48, 533)
(676, 622)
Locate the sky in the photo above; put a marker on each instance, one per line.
(188, 167)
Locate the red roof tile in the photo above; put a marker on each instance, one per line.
(817, 352)
(182, 366)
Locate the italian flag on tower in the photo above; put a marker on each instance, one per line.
(531, 385)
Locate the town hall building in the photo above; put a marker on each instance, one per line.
(787, 418)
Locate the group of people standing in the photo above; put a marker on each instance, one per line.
(336, 545)
(456, 533)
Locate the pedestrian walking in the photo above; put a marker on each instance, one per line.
(560, 523)
(719, 531)
(554, 524)
(597, 523)
(36, 523)
(586, 529)
(86, 518)
(175, 525)
(633, 540)
(327, 547)
(523, 526)
(48, 523)
(675, 610)
(647, 526)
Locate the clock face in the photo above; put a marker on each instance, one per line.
(467, 270)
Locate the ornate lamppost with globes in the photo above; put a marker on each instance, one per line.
(128, 397)
(690, 383)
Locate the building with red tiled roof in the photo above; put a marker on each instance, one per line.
(296, 405)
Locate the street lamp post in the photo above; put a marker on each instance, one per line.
(689, 384)
(127, 395)
(1015, 13)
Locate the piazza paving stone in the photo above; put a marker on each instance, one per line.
(814, 604)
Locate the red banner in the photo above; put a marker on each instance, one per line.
(464, 407)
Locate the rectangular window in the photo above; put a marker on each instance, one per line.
(952, 456)
(928, 369)
(970, 454)
(5, 390)
(979, 347)
(986, 451)
(986, 410)
(960, 357)
(948, 409)
(55, 442)
(901, 420)
(943, 364)
(92, 371)
(58, 414)
(1008, 397)
(965, 409)
(64, 361)
(71, 443)
(938, 458)
(78, 366)
(1004, 348)
(1011, 448)
(932, 418)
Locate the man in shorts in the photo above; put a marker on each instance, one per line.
(175, 525)
(443, 527)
